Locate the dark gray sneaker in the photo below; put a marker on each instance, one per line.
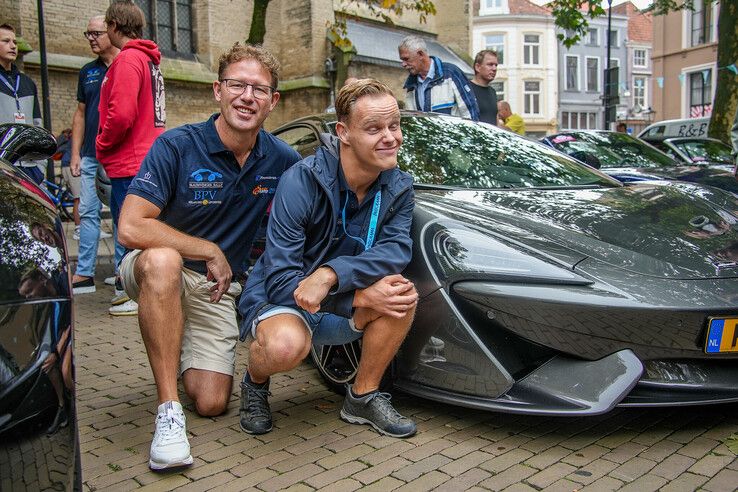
(256, 417)
(376, 410)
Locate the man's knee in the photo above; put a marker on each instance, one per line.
(288, 345)
(210, 405)
(209, 391)
(158, 265)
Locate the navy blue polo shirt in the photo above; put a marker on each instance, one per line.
(357, 218)
(202, 191)
(88, 93)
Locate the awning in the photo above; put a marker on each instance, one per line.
(378, 45)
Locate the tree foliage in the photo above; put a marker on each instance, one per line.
(572, 17)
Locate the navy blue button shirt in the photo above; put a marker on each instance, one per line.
(88, 93)
(357, 218)
(202, 191)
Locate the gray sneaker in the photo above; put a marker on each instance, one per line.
(376, 410)
(255, 414)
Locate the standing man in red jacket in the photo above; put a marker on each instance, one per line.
(132, 107)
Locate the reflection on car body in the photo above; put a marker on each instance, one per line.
(547, 287)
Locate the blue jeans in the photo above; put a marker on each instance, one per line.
(118, 191)
(89, 225)
(324, 328)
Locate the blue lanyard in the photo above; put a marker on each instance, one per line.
(15, 91)
(372, 221)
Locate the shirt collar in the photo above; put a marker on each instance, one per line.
(215, 145)
(431, 73)
(383, 180)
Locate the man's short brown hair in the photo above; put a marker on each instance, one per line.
(350, 93)
(240, 52)
(480, 56)
(129, 19)
(7, 27)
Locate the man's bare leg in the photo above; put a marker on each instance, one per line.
(209, 390)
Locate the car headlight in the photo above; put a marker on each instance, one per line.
(459, 252)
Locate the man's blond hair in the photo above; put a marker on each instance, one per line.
(240, 52)
(350, 93)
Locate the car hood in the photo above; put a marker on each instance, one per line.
(718, 176)
(654, 229)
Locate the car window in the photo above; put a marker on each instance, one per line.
(301, 138)
(453, 152)
(617, 150)
(705, 150)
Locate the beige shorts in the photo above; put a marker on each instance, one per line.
(210, 330)
(73, 182)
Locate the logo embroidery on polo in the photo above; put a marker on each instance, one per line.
(205, 184)
(260, 190)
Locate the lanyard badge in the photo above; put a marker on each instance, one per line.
(15, 95)
(371, 233)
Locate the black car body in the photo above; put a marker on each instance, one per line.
(38, 432)
(629, 159)
(547, 287)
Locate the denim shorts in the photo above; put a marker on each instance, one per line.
(324, 328)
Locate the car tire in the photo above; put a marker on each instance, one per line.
(338, 364)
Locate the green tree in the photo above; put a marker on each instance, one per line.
(258, 22)
(572, 15)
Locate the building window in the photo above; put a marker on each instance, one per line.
(499, 88)
(492, 4)
(639, 58)
(572, 73)
(700, 94)
(169, 24)
(593, 74)
(701, 23)
(592, 36)
(615, 62)
(491, 7)
(578, 120)
(531, 49)
(614, 38)
(639, 93)
(496, 42)
(532, 97)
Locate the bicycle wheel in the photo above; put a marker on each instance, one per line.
(64, 200)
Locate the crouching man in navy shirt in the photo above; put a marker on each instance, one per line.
(191, 214)
(337, 241)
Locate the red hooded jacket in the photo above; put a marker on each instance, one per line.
(132, 108)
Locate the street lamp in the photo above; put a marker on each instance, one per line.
(608, 74)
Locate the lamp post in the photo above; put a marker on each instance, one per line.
(46, 108)
(608, 74)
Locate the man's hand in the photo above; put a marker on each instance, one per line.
(312, 290)
(75, 165)
(219, 271)
(393, 296)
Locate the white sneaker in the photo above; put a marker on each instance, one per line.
(120, 297)
(128, 308)
(105, 234)
(110, 280)
(170, 447)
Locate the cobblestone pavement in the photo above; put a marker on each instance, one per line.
(311, 448)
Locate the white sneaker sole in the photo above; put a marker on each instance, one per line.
(83, 290)
(123, 313)
(174, 464)
(352, 419)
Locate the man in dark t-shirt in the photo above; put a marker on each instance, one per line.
(485, 71)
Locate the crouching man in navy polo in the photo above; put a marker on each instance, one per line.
(337, 241)
(190, 216)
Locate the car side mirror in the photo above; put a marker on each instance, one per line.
(25, 142)
(587, 158)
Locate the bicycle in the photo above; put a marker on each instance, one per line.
(60, 195)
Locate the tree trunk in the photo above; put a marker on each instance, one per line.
(726, 92)
(258, 22)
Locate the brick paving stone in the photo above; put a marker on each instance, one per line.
(562, 485)
(207, 483)
(687, 434)
(261, 462)
(673, 466)
(377, 472)
(346, 484)
(710, 464)
(206, 470)
(427, 481)
(550, 475)
(592, 471)
(465, 463)
(659, 450)
(632, 469)
(413, 471)
(395, 449)
(292, 477)
(384, 485)
(686, 482)
(324, 478)
(246, 481)
(698, 447)
(301, 459)
(463, 481)
(624, 452)
(547, 457)
(645, 483)
(505, 445)
(351, 441)
(298, 487)
(617, 439)
(464, 447)
(345, 456)
(164, 483)
(602, 485)
(505, 461)
(725, 481)
(430, 448)
(514, 474)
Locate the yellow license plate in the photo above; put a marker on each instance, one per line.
(722, 335)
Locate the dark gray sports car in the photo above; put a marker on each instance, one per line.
(546, 286)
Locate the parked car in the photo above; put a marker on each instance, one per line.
(696, 151)
(688, 127)
(547, 287)
(630, 159)
(38, 425)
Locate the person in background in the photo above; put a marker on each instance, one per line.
(621, 127)
(485, 71)
(509, 120)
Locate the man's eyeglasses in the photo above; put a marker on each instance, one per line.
(93, 34)
(236, 88)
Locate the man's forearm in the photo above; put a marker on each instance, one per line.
(78, 131)
(144, 233)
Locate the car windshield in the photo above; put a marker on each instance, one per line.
(448, 151)
(705, 151)
(612, 149)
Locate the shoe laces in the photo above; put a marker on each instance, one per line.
(382, 401)
(258, 404)
(170, 426)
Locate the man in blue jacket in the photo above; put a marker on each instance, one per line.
(434, 85)
(337, 240)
